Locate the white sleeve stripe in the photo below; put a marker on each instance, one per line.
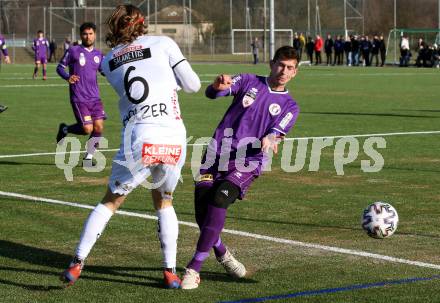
(278, 130)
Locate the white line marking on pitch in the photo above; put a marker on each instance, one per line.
(55, 85)
(240, 233)
(286, 139)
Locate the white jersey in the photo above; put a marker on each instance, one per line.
(142, 75)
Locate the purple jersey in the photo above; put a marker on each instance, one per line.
(3, 47)
(40, 47)
(84, 63)
(255, 112)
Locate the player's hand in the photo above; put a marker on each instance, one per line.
(222, 82)
(270, 142)
(72, 79)
(7, 60)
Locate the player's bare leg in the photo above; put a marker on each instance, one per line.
(168, 231)
(92, 230)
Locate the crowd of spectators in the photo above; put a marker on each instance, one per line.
(362, 50)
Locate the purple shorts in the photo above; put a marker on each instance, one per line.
(41, 59)
(87, 112)
(242, 179)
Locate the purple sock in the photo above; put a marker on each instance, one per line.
(93, 142)
(209, 235)
(219, 248)
(76, 129)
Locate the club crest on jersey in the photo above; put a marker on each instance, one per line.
(274, 109)
(250, 97)
(82, 59)
(96, 59)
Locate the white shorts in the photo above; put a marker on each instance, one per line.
(158, 154)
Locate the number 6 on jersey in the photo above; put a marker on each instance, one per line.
(128, 84)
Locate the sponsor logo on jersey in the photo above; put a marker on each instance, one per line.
(87, 118)
(286, 120)
(160, 154)
(128, 57)
(274, 109)
(96, 59)
(82, 59)
(250, 97)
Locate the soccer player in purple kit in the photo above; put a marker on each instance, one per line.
(261, 114)
(4, 50)
(84, 61)
(40, 47)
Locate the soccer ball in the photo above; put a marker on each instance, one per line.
(380, 220)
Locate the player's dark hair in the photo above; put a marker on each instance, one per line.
(40, 31)
(125, 24)
(87, 25)
(285, 53)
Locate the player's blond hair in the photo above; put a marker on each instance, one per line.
(125, 24)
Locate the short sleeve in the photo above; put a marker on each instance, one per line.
(286, 120)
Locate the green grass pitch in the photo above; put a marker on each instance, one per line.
(37, 239)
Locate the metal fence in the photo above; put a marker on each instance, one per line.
(206, 30)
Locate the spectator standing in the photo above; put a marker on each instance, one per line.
(382, 50)
(302, 41)
(339, 51)
(318, 48)
(355, 50)
(366, 49)
(297, 44)
(375, 50)
(255, 46)
(310, 47)
(328, 48)
(52, 50)
(347, 50)
(404, 52)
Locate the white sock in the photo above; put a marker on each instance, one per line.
(88, 156)
(168, 233)
(93, 227)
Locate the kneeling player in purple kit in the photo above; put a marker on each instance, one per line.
(84, 61)
(261, 113)
(41, 50)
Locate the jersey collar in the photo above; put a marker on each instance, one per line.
(274, 91)
(89, 50)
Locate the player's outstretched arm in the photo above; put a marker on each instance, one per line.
(220, 87)
(186, 77)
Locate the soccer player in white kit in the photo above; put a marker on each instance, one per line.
(146, 72)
